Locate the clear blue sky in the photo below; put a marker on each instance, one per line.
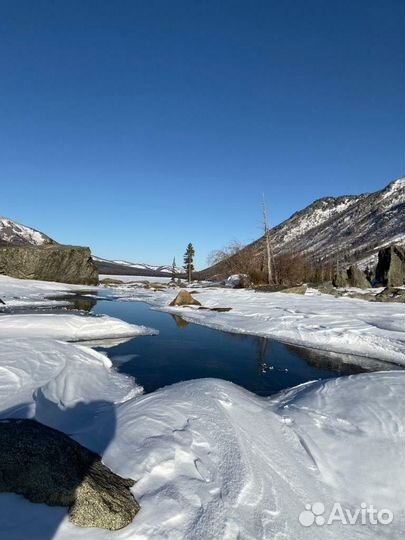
(138, 126)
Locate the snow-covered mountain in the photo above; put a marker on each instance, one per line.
(351, 227)
(106, 266)
(17, 234)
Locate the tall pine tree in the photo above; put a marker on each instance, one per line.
(174, 269)
(188, 261)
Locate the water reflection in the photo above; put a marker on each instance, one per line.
(180, 322)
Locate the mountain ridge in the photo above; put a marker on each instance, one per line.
(350, 228)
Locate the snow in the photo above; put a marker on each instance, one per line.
(305, 222)
(19, 293)
(35, 370)
(10, 230)
(340, 325)
(69, 327)
(211, 460)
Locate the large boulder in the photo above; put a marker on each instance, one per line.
(238, 281)
(53, 262)
(184, 298)
(353, 277)
(46, 466)
(341, 279)
(390, 269)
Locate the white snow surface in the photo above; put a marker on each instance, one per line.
(341, 325)
(63, 326)
(212, 461)
(69, 327)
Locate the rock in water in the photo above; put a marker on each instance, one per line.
(184, 298)
(46, 466)
(51, 262)
(390, 269)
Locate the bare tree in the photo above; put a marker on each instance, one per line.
(269, 252)
(219, 255)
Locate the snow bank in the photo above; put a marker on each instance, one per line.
(211, 460)
(37, 373)
(69, 327)
(341, 325)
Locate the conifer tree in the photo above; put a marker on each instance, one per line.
(174, 269)
(188, 261)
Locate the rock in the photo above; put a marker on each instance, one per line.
(184, 298)
(300, 289)
(46, 466)
(390, 269)
(238, 281)
(353, 277)
(218, 309)
(326, 288)
(369, 297)
(341, 279)
(357, 278)
(391, 294)
(53, 262)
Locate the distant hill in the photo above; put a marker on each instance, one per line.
(122, 268)
(351, 228)
(12, 233)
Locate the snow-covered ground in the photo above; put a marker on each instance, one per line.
(63, 326)
(212, 461)
(69, 327)
(341, 325)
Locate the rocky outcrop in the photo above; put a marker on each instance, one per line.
(184, 298)
(353, 277)
(390, 269)
(300, 289)
(391, 294)
(46, 466)
(53, 262)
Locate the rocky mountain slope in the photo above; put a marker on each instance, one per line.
(350, 228)
(21, 235)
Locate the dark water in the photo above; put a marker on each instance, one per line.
(187, 351)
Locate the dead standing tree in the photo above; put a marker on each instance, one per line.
(271, 275)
